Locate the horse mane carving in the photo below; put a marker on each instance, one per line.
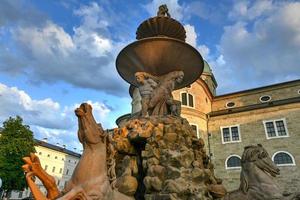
(256, 180)
(94, 176)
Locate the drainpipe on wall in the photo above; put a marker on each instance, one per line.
(208, 138)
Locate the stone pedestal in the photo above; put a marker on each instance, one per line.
(164, 157)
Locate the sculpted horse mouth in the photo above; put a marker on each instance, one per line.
(271, 168)
(82, 110)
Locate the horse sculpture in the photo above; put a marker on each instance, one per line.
(94, 176)
(256, 182)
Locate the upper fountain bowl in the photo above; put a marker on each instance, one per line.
(159, 56)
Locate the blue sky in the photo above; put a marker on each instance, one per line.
(56, 54)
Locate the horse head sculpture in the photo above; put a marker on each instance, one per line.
(256, 180)
(94, 176)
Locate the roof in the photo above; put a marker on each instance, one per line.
(208, 70)
(56, 148)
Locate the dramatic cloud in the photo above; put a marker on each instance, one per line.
(262, 47)
(244, 10)
(191, 35)
(47, 53)
(46, 117)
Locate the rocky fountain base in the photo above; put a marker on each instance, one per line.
(161, 158)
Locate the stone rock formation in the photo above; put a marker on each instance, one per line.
(168, 162)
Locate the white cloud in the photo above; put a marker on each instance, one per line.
(47, 53)
(261, 51)
(51, 40)
(204, 51)
(90, 35)
(191, 35)
(175, 10)
(46, 117)
(245, 10)
(45, 112)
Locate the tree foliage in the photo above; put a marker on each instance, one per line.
(16, 142)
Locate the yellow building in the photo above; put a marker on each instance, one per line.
(268, 115)
(57, 161)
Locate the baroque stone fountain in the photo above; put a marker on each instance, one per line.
(154, 155)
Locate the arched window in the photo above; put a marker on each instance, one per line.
(283, 158)
(187, 99)
(233, 162)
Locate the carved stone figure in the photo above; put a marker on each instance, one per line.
(94, 176)
(256, 177)
(163, 11)
(162, 101)
(147, 84)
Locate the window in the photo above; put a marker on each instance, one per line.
(265, 98)
(67, 172)
(275, 128)
(60, 170)
(46, 167)
(233, 162)
(58, 182)
(55, 157)
(195, 130)
(230, 134)
(40, 153)
(48, 155)
(53, 169)
(187, 99)
(230, 104)
(283, 158)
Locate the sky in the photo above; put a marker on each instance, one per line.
(55, 55)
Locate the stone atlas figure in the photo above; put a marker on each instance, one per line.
(156, 93)
(156, 155)
(147, 84)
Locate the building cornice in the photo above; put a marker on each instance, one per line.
(193, 112)
(254, 107)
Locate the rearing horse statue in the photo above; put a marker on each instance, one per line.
(256, 180)
(94, 176)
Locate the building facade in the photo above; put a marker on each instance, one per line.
(58, 161)
(267, 115)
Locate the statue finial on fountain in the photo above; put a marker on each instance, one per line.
(163, 11)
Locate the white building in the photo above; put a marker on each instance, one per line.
(57, 161)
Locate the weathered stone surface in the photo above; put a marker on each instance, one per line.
(173, 163)
(127, 185)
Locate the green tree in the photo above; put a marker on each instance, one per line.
(16, 142)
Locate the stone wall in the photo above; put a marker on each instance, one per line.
(252, 132)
